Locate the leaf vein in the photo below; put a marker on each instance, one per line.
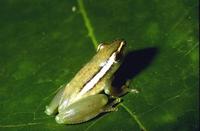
(135, 117)
(18, 125)
(87, 23)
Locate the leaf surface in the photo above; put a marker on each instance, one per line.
(44, 43)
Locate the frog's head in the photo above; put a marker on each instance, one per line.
(114, 49)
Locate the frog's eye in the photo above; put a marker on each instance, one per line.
(118, 57)
(100, 46)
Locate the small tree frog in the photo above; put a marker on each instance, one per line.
(88, 93)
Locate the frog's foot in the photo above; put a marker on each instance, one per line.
(126, 89)
(110, 107)
(135, 91)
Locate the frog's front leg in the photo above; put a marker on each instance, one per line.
(84, 109)
(52, 108)
(118, 91)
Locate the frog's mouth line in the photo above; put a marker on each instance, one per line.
(122, 44)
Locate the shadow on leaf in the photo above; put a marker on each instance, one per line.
(134, 63)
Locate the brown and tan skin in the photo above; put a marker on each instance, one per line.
(76, 101)
(89, 71)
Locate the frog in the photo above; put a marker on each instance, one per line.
(90, 91)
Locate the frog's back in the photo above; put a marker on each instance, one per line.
(87, 73)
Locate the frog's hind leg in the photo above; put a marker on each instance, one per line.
(83, 109)
(111, 106)
(52, 108)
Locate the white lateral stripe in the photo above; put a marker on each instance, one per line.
(99, 75)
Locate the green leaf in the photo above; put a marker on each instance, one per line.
(44, 43)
